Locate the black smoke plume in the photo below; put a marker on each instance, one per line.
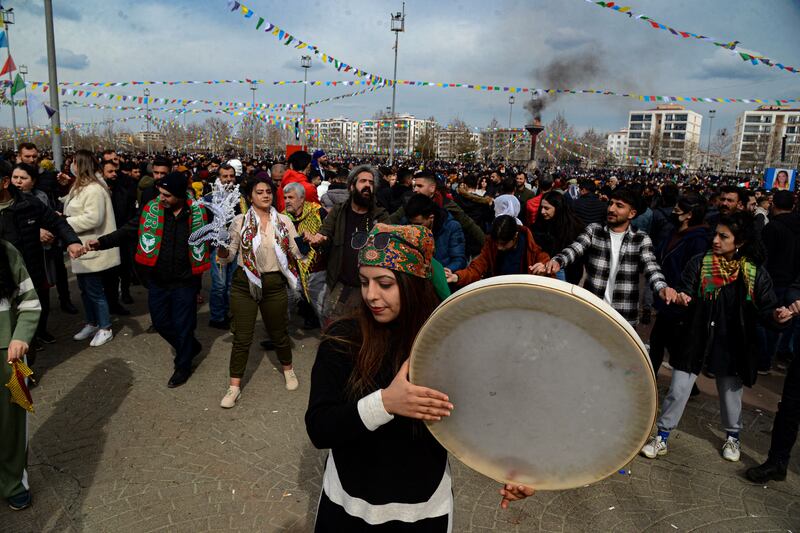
(565, 72)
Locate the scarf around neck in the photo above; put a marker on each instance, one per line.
(311, 222)
(251, 242)
(717, 272)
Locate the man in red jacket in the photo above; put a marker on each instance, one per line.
(299, 167)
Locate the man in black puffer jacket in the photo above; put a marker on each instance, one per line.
(22, 217)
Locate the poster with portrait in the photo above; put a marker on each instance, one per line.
(780, 179)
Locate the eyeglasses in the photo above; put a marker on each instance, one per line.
(380, 240)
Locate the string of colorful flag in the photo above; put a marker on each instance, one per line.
(444, 85)
(557, 142)
(287, 38)
(754, 58)
(39, 86)
(348, 95)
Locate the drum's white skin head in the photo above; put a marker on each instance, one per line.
(552, 388)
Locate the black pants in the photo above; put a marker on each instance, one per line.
(55, 257)
(111, 287)
(787, 421)
(174, 315)
(666, 334)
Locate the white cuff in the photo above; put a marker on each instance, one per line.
(372, 412)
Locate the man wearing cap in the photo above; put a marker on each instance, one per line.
(170, 264)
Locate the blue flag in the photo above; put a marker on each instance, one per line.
(3, 40)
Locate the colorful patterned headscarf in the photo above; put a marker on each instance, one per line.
(407, 249)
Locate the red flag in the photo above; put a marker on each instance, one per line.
(9, 66)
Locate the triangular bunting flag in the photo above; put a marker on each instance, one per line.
(50, 111)
(18, 85)
(9, 66)
(3, 40)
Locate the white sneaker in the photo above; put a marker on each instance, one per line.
(87, 331)
(655, 447)
(229, 400)
(291, 379)
(101, 337)
(731, 449)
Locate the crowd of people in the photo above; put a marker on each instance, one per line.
(366, 252)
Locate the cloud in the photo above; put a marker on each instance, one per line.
(122, 15)
(68, 59)
(725, 65)
(565, 38)
(61, 10)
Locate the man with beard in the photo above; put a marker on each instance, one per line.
(614, 255)
(342, 234)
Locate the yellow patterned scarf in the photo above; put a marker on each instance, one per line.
(311, 222)
(717, 272)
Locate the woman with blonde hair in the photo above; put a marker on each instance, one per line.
(89, 211)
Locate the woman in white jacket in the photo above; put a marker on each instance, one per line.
(89, 211)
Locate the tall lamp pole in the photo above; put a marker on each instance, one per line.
(398, 25)
(711, 114)
(305, 62)
(23, 71)
(8, 20)
(253, 88)
(510, 110)
(147, 118)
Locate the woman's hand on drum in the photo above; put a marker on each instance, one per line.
(451, 276)
(512, 493)
(406, 399)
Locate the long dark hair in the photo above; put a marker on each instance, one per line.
(563, 228)
(745, 233)
(377, 347)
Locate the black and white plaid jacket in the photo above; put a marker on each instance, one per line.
(636, 255)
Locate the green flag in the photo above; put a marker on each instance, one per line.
(18, 85)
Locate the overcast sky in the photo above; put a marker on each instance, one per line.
(503, 42)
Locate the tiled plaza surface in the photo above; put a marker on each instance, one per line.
(112, 449)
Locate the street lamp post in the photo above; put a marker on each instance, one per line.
(398, 24)
(711, 114)
(253, 88)
(510, 111)
(147, 118)
(8, 20)
(23, 71)
(305, 62)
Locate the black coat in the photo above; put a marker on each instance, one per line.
(721, 333)
(673, 260)
(123, 198)
(590, 209)
(781, 238)
(20, 225)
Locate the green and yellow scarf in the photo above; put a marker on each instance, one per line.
(309, 221)
(716, 272)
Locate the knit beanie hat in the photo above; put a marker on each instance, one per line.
(174, 182)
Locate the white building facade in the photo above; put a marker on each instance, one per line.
(668, 134)
(766, 137)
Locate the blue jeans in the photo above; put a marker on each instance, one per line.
(94, 299)
(221, 278)
(174, 315)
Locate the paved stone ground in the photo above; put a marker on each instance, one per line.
(112, 449)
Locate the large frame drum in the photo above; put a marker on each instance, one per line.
(552, 388)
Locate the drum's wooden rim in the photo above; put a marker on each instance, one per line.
(565, 289)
